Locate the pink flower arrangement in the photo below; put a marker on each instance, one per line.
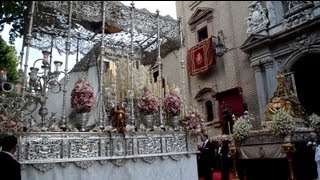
(193, 121)
(173, 103)
(9, 125)
(82, 96)
(148, 103)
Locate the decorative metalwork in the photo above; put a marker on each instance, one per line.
(117, 15)
(149, 160)
(68, 43)
(175, 157)
(40, 82)
(84, 164)
(44, 167)
(84, 148)
(183, 68)
(101, 105)
(45, 149)
(119, 162)
(133, 65)
(64, 164)
(159, 63)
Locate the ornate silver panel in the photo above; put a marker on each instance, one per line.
(176, 144)
(84, 148)
(43, 150)
(149, 145)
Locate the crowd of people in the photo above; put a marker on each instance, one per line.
(213, 157)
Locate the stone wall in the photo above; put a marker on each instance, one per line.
(233, 69)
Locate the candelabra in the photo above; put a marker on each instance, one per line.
(47, 79)
(10, 94)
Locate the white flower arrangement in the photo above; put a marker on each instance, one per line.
(123, 77)
(313, 120)
(242, 127)
(282, 123)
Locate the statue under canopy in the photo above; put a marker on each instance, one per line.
(284, 99)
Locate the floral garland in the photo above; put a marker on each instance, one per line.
(148, 103)
(242, 127)
(82, 96)
(282, 123)
(173, 102)
(193, 122)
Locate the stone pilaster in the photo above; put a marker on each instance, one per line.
(270, 76)
(261, 90)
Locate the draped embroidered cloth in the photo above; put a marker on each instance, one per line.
(201, 57)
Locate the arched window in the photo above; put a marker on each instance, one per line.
(209, 110)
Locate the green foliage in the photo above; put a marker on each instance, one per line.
(14, 13)
(9, 61)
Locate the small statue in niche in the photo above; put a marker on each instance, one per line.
(130, 148)
(119, 149)
(108, 149)
(118, 116)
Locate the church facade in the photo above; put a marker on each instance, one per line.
(261, 40)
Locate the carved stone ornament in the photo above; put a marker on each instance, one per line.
(304, 41)
(297, 6)
(257, 19)
(298, 19)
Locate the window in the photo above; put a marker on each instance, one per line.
(155, 76)
(202, 33)
(209, 109)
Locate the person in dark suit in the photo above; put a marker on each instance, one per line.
(311, 165)
(9, 166)
(223, 153)
(206, 157)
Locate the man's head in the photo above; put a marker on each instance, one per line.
(317, 127)
(9, 143)
(312, 136)
(205, 137)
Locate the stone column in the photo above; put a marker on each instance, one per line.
(261, 90)
(270, 77)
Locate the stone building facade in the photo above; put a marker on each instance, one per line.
(263, 38)
(232, 73)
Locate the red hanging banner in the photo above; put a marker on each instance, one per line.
(201, 57)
